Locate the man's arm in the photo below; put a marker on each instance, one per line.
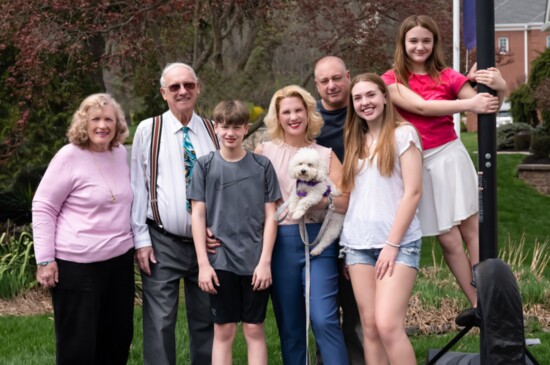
(142, 239)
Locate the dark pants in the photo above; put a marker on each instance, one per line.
(94, 311)
(351, 322)
(175, 260)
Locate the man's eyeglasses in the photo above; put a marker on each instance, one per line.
(186, 85)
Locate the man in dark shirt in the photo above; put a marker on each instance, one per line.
(332, 80)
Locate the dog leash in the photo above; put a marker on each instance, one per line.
(305, 239)
(280, 215)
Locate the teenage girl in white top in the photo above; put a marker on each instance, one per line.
(381, 236)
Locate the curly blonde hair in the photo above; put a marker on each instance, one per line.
(271, 120)
(78, 132)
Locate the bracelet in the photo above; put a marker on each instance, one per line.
(392, 244)
(44, 263)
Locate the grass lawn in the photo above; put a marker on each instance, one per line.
(522, 212)
(30, 341)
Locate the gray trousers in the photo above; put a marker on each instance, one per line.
(175, 260)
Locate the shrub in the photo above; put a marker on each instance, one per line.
(522, 141)
(540, 146)
(523, 106)
(17, 201)
(17, 266)
(506, 134)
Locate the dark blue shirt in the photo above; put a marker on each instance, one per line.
(332, 133)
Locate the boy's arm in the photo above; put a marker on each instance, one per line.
(207, 275)
(262, 274)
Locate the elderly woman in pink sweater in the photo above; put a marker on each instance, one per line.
(83, 239)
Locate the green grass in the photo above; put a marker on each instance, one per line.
(521, 210)
(30, 341)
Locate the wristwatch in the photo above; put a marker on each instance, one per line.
(44, 263)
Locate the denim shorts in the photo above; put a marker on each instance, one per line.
(409, 255)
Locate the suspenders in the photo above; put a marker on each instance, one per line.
(210, 128)
(154, 158)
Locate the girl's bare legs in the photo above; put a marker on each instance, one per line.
(364, 288)
(255, 342)
(456, 258)
(469, 229)
(391, 303)
(382, 306)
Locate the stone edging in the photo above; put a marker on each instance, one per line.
(536, 175)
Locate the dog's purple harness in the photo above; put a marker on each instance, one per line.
(302, 194)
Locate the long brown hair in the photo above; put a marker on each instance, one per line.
(402, 63)
(355, 131)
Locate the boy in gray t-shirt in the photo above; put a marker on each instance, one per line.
(233, 193)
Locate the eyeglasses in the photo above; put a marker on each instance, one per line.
(186, 85)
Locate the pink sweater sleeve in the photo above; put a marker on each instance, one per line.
(55, 187)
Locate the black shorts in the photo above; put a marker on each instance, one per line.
(236, 301)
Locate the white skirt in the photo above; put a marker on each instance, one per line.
(449, 188)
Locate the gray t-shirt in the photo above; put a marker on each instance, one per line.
(235, 194)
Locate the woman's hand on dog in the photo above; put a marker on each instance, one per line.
(386, 261)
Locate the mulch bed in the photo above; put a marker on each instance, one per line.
(419, 320)
(35, 301)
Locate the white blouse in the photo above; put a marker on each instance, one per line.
(375, 199)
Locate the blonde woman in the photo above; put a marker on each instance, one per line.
(293, 123)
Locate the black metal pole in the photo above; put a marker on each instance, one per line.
(486, 135)
(487, 152)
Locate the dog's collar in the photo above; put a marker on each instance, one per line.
(302, 194)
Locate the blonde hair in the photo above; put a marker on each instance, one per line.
(434, 64)
(355, 131)
(78, 131)
(271, 120)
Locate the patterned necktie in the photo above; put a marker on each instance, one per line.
(189, 157)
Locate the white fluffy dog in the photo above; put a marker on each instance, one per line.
(312, 183)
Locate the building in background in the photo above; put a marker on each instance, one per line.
(522, 32)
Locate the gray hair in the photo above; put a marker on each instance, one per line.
(171, 66)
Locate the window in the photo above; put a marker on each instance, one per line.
(548, 42)
(503, 46)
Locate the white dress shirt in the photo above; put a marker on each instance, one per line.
(171, 192)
